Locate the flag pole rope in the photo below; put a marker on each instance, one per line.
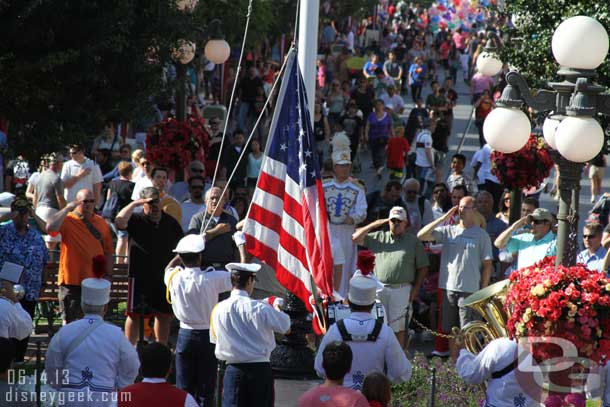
(260, 116)
(231, 101)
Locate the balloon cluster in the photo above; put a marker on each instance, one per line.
(453, 14)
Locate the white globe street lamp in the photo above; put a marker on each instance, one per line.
(549, 129)
(217, 51)
(506, 130)
(580, 42)
(579, 139)
(488, 64)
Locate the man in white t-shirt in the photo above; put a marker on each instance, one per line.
(79, 173)
(424, 161)
(487, 181)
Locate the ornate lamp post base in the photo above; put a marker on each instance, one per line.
(292, 358)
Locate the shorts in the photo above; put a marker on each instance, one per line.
(69, 297)
(146, 298)
(118, 232)
(453, 311)
(45, 213)
(596, 172)
(397, 305)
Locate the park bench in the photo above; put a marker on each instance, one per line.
(48, 304)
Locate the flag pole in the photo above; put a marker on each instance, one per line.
(309, 15)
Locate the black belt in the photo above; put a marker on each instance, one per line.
(505, 371)
(249, 364)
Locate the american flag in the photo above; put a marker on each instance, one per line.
(287, 224)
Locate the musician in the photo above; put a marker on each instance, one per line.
(374, 345)
(498, 364)
(346, 205)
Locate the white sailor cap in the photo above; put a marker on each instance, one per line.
(341, 157)
(190, 244)
(238, 268)
(95, 291)
(362, 290)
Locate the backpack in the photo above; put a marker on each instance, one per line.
(111, 206)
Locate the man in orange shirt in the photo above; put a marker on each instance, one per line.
(84, 236)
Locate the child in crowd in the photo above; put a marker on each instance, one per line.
(396, 149)
(377, 390)
(458, 177)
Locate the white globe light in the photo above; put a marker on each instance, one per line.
(506, 130)
(217, 51)
(549, 129)
(186, 5)
(488, 64)
(185, 52)
(579, 139)
(580, 42)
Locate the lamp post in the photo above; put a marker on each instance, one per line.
(580, 44)
(216, 50)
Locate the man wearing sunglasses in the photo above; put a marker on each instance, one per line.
(594, 252)
(532, 247)
(181, 190)
(84, 235)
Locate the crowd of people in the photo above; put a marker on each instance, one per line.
(436, 238)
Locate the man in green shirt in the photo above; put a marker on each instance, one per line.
(401, 264)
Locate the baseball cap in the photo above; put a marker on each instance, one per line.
(190, 244)
(398, 212)
(542, 214)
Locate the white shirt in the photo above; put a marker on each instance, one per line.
(188, 210)
(194, 293)
(352, 204)
(141, 183)
(242, 328)
(497, 355)
(396, 103)
(15, 322)
(483, 156)
(384, 355)
(423, 138)
(71, 168)
(102, 363)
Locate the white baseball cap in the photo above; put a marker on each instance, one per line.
(190, 244)
(398, 212)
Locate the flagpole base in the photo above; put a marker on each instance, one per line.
(292, 358)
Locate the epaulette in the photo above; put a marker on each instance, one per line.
(358, 182)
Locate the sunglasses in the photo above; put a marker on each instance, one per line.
(196, 186)
(196, 170)
(394, 220)
(145, 163)
(88, 201)
(438, 191)
(506, 199)
(589, 236)
(538, 221)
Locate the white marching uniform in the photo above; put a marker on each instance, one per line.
(384, 355)
(194, 293)
(102, 363)
(504, 391)
(15, 322)
(344, 199)
(242, 328)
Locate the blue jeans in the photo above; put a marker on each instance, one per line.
(248, 385)
(242, 118)
(196, 364)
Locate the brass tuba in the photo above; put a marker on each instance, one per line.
(489, 302)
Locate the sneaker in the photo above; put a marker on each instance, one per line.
(593, 199)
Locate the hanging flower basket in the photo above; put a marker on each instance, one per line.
(526, 168)
(173, 144)
(572, 303)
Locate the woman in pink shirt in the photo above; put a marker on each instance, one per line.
(478, 84)
(459, 39)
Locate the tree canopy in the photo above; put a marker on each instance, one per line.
(536, 20)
